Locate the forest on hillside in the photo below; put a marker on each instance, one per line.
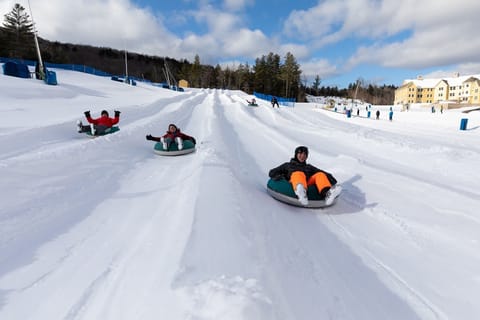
(270, 74)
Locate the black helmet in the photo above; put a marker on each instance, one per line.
(104, 112)
(301, 149)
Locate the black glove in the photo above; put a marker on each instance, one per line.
(117, 113)
(87, 114)
(149, 137)
(193, 140)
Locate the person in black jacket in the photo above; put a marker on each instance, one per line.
(274, 102)
(301, 175)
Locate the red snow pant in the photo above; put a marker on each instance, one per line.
(319, 179)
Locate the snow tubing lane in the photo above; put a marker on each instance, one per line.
(282, 190)
(108, 131)
(188, 147)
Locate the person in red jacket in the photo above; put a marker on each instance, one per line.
(98, 125)
(173, 134)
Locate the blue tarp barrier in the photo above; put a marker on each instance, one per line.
(16, 69)
(50, 78)
(288, 102)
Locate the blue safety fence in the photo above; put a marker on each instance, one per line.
(15, 69)
(288, 102)
(74, 67)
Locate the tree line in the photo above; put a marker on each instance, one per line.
(269, 75)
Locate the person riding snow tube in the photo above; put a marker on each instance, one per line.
(252, 103)
(99, 126)
(173, 142)
(301, 184)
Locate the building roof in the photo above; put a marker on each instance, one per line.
(432, 82)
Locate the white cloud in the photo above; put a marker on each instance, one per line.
(237, 5)
(116, 24)
(409, 33)
(121, 24)
(245, 42)
(391, 33)
(447, 44)
(321, 67)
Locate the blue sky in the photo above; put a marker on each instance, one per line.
(378, 41)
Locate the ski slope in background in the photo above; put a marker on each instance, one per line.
(106, 229)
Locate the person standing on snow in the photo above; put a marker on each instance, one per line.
(275, 102)
(301, 175)
(173, 134)
(98, 125)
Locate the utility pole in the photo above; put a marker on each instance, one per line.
(40, 62)
(126, 65)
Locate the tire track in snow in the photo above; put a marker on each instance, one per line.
(41, 143)
(280, 232)
(428, 309)
(121, 258)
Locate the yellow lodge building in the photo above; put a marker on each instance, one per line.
(455, 90)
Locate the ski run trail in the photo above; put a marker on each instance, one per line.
(106, 229)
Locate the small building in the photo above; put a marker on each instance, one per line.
(183, 83)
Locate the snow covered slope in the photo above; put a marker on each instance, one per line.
(106, 229)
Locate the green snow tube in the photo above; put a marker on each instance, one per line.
(282, 190)
(107, 131)
(188, 147)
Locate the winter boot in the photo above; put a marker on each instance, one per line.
(164, 143)
(79, 126)
(179, 142)
(92, 129)
(332, 194)
(301, 194)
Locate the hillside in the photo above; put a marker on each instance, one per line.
(106, 229)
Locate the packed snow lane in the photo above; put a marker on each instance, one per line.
(259, 241)
(62, 183)
(106, 229)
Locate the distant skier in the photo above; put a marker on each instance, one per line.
(275, 102)
(99, 125)
(173, 134)
(301, 175)
(377, 114)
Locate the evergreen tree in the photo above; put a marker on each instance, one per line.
(260, 71)
(18, 31)
(290, 74)
(316, 84)
(267, 74)
(18, 21)
(195, 73)
(274, 84)
(220, 77)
